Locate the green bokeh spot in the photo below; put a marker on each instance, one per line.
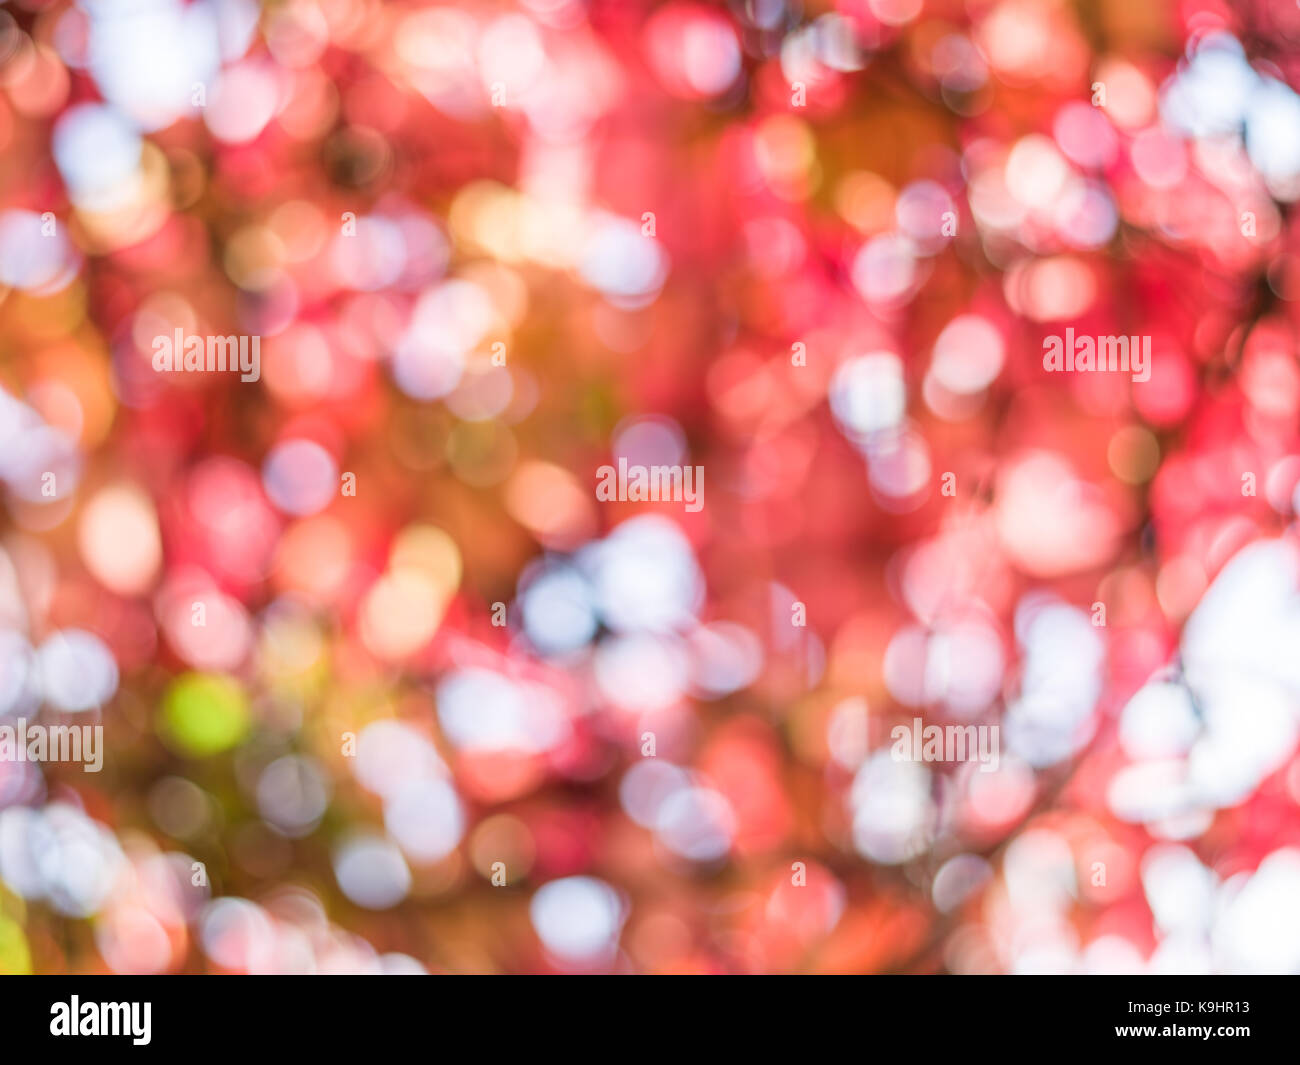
(203, 714)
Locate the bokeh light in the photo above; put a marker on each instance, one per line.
(384, 684)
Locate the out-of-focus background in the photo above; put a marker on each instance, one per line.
(383, 685)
